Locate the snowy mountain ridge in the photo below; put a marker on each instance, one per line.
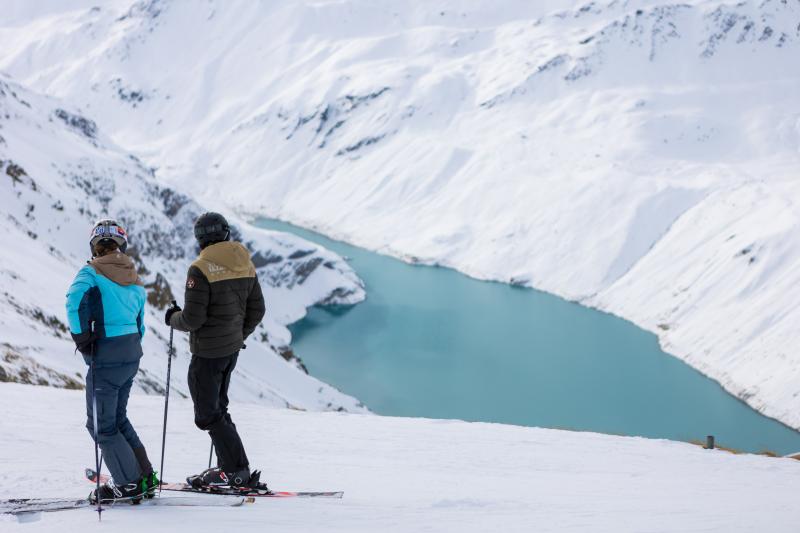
(654, 29)
(636, 156)
(60, 173)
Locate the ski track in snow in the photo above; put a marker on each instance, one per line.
(402, 474)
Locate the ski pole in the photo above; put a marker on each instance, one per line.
(210, 454)
(94, 419)
(166, 407)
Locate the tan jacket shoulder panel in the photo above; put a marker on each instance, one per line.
(224, 261)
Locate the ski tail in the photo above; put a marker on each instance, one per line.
(16, 506)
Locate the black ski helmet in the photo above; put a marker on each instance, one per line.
(108, 230)
(210, 228)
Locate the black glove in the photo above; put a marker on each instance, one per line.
(171, 310)
(84, 342)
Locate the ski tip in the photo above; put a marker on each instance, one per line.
(250, 499)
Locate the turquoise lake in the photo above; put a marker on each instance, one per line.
(431, 342)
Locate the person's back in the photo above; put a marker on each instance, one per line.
(223, 305)
(105, 309)
(107, 292)
(223, 300)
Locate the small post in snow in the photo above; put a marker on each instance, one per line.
(709, 442)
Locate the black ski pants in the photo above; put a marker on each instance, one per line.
(209, 379)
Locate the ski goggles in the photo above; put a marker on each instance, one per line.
(109, 231)
(199, 231)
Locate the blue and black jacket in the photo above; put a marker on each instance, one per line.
(107, 292)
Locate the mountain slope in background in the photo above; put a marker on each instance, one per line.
(58, 173)
(638, 156)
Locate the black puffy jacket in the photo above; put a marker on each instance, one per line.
(223, 301)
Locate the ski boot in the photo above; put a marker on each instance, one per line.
(110, 492)
(149, 484)
(216, 478)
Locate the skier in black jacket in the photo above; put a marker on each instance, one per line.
(223, 305)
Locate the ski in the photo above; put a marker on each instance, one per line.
(185, 487)
(91, 475)
(17, 506)
(199, 501)
(31, 505)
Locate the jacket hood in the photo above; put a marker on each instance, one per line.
(117, 267)
(229, 254)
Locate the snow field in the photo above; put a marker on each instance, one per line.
(403, 474)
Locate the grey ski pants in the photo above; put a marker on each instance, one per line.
(116, 435)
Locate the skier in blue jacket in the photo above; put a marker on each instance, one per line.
(105, 308)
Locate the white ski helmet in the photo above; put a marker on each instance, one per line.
(108, 230)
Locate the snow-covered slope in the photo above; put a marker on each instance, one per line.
(58, 173)
(402, 474)
(638, 156)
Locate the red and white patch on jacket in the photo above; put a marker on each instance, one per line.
(191, 282)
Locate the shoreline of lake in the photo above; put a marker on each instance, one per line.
(716, 399)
